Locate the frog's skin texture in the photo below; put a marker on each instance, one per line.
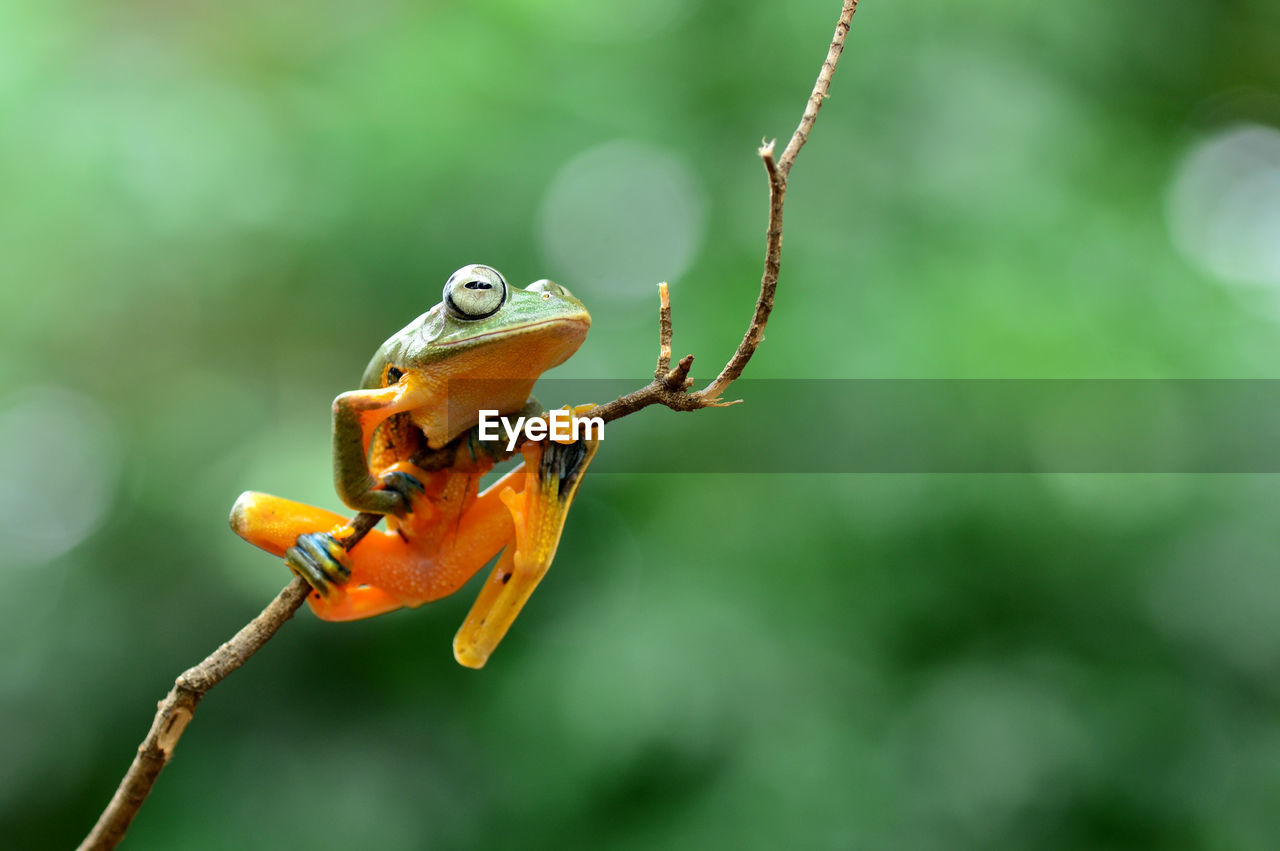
(405, 446)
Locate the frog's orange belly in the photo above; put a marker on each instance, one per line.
(422, 565)
(412, 575)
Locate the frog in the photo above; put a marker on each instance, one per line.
(407, 448)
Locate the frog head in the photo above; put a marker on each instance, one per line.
(482, 347)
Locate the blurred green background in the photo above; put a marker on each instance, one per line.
(212, 213)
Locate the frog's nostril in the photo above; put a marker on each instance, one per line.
(547, 288)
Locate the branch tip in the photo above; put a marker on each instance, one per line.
(664, 330)
(678, 378)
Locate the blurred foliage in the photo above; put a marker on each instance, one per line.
(212, 213)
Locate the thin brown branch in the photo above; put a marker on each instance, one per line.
(820, 88)
(661, 391)
(664, 331)
(670, 387)
(176, 710)
(778, 173)
(768, 283)
(179, 705)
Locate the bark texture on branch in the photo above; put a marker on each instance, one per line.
(177, 709)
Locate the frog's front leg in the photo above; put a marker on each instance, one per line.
(356, 415)
(538, 505)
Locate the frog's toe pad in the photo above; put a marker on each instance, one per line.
(407, 486)
(320, 559)
(562, 466)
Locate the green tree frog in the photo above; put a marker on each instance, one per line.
(405, 446)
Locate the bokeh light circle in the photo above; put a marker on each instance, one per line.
(1224, 205)
(59, 464)
(611, 21)
(619, 218)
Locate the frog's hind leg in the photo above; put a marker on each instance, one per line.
(352, 602)
(275, 525)
(551, 474)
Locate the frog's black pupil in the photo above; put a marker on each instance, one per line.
(393, 375)
(478, 285)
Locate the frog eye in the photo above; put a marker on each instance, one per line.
(548, 288)
(474, 292)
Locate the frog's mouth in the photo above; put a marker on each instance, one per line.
(496, 371)
(520, 330)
